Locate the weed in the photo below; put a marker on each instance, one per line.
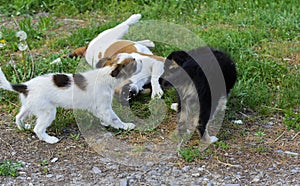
(9, 168)
(44, 162)
(191, 153)
(221, 144)
(75, 136)
(292, 119)
(259, 134)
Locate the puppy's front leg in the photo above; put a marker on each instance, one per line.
(109, 118)
(157, 71)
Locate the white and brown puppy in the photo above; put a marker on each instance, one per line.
(109, 42)
(153, 68)
(92, 91)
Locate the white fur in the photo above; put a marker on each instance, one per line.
(44, 97)
(152, 69)
(107, 37)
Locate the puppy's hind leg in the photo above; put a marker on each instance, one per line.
(44, 120)
(24, 111)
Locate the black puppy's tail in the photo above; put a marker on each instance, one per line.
(5, 84)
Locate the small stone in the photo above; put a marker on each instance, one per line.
(59, 176)
(185, 168)
(54, 160)
(210, 184)
(239, 122)
(291, 153)
(150, 164)
(49, 175)
(123, 182)
(96, 170)
(196, 174)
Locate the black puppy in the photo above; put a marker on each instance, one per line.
(203, 78)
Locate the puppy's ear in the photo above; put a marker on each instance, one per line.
(103, 62)
(179, 57)
(125, 69)
(117, 70)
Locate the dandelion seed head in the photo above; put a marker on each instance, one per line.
(22, 35)
(22, 46)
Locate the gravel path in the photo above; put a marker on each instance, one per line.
(72, 162)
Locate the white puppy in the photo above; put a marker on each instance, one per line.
(92, 91)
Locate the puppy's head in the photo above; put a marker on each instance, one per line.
(123, 65)
(173, 66)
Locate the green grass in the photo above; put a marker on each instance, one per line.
(9, 168)
(259, 35)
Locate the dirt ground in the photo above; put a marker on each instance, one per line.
(248, 160)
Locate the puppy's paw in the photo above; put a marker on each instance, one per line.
(213, 139)
(51, 139)
(128, 126)
(133, 91)
(157, 93)
(133, 19)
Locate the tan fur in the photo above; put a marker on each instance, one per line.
(120, 47)
(78, 52)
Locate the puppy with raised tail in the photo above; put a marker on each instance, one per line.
(110, 42)
(92, 91)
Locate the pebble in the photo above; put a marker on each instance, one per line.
(196, 174)
(49, 175)
(239, 122)
(54, 160)
(60, 176)
(185, 168)
(291, 153)
(96, 170)
(123, 182)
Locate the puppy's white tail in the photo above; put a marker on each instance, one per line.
(4, 84)
(146, 43)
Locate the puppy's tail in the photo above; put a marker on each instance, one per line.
(5, 84)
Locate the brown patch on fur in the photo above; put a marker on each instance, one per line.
(61, 80)
(100, 55)
(78, 52)
(120, 47)
(20, 88)
(80, 81)
(158, 58)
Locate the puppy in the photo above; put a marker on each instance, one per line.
(212, 104)
(92, 91)
(109, 42)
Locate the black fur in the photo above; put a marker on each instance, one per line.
(80, 81)
(61, 80)
(187, 65)
(20, 88)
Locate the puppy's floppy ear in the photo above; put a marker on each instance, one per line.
(101, 62)
(179, 57)
(117, 70)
